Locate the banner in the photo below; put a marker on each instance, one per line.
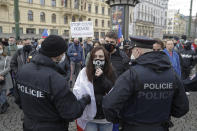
(82, 29)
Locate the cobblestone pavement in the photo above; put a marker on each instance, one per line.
(11, 120)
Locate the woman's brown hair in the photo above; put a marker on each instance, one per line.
(107, 70)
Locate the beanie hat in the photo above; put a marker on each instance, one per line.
(53, 46)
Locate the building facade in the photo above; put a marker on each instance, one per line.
(149, 18)
(176, 24)
(54, 15)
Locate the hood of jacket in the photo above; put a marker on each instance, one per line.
(156, 60)
(43, 60)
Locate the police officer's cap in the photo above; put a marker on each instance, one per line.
(142, 42)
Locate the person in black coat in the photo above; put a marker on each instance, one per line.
(119, 59)
(188, 61)
(148, 94)
(43, 93)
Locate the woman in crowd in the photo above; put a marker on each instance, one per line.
(97, 80)
(5, 80)
(95, 44)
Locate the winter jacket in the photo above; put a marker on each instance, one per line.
(120, 62)
(174, 59)
(147, 94)
(21, 57)
(10, 50)
(46, 100)
(75, 49)
(5, 72)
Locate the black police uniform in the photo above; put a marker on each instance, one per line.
(188, 60)
(47, 102)
(144, 97)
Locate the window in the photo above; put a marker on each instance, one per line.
(66, 33)
(41, 31)
(108, 11)
(103, 23)
(30, 15)
(20, 30)
(1, 29)
(96, 22)
(76, 4)
(108, 23)
(89, 19)
(89, 8)
(96, 35)
(65, 19)
(42, 17)
(30, 1)
(103, 10)
(42, 2)
(80, 19)
(30, 31)
(73, 19)
(54, 31)
(102, 34)
(53, 3)
(64, 3)
(53, 17)
(96, 9)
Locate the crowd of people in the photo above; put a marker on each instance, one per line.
(134, 85)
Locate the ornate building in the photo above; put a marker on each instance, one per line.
(54, 15)
(149, 18)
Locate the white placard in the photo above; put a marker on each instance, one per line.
(82, 29)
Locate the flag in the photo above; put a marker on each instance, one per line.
(45, 33)
(119, 34)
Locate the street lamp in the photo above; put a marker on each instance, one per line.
(120, 14)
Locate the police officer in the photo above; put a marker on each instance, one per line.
(146, 95)
(188, 59)
(45, 98)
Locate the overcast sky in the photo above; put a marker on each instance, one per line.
(183, 5)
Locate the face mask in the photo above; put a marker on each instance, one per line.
(63, 58)
(98, 63)
(20, 46)
(1, 51)
(10, 43)
(27, 48)
(109, 47)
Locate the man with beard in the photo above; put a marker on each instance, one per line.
(119, 59)
(22, 56)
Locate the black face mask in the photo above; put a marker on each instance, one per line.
(27, 48)
(109, 47)
(98, 64)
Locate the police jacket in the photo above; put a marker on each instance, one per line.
(188, 60)
(47, 102)
(120, 62)
(149, 92)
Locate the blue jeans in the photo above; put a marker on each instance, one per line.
(91, 126)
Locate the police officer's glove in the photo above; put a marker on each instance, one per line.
(85, 100)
